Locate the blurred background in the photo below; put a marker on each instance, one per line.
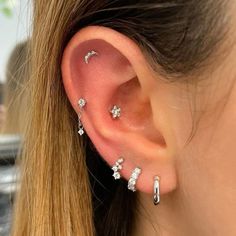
(15, 23)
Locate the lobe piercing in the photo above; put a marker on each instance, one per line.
(133, 179)
(156, 197)
(82, 102)
(117, 167)
(115, 112)
(89, 55)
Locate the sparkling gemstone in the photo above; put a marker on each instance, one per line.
(82, 102)
(116, 112)
(135, 175)
(119, 167)
(120, 160)
(115, 168)
(132, 182)
(81, 132)
(137, 170)
(132, 188)
(116, 175)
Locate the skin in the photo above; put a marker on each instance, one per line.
(197, 180)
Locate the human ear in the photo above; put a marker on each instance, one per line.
(118, 74)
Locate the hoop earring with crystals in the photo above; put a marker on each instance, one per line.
(133, 179)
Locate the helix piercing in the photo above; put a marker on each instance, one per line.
(115, 112)
(89, 55)
(82, 102)
(156, 197)
(133, 179)
(117, 167)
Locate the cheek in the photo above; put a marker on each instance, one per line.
(207, 166)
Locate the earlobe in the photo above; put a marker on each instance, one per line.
(118, 114)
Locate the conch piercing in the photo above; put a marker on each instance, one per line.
(82, 102)
(89, 55)
(115, 112)
(133, 179)
(117, 167)
(156, 197)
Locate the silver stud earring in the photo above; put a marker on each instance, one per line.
(115, 112)
(133, 179)
(117, 167)
(156, 197)
(82, 102)
(89, 55)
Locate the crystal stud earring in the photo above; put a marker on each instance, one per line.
(115, 112)
(117, 167)
(82, 102)
(133, 179)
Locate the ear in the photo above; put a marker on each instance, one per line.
(119, 75)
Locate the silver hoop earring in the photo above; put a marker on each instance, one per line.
(82, 102)
(117, 167)
(156, 197)
(115, 112)
(89, 55)
(133, 179)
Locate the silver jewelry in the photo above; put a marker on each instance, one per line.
(89, 55)
(133, 179)
(82, 102)
(117, 167)
(156, 197)
(115, 112)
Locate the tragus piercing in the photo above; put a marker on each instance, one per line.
(115, 112)
(82, 102)
(89, 55)
(133, 179)
(117, 167)
(156, 197)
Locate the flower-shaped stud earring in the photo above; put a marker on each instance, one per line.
(115, 112)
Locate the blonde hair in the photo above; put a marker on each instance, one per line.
(15, 98)
(55, 196)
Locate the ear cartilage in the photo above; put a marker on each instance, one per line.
(82, 102)
(117, 167)
(115, 112)
(156, 196)
(89, 55)
(133, 179)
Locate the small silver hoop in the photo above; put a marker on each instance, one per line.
(156, 197)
